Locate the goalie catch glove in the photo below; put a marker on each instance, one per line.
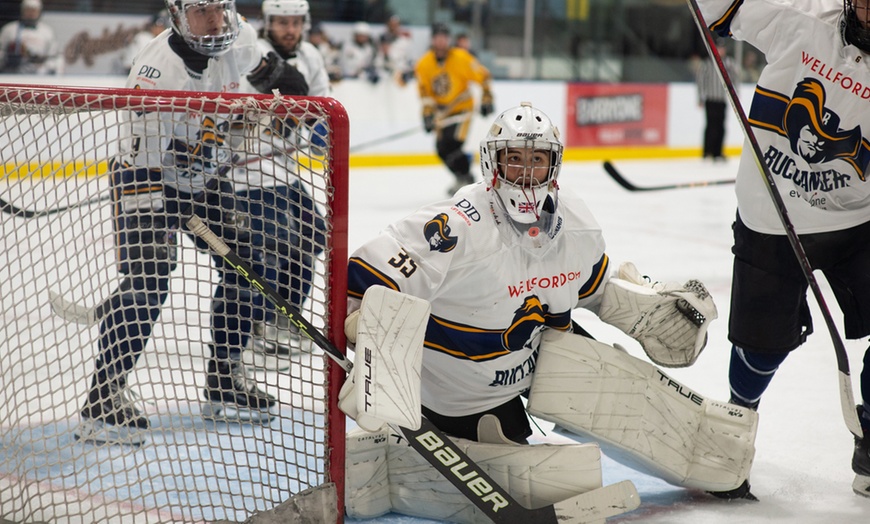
(669, 320)
(278, 74)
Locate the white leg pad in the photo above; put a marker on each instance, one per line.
(654, 423)
(385, 474)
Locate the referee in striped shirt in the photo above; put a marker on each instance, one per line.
(713, 98)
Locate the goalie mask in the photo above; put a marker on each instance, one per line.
(855, 23)
(208, 26)
(520, 158)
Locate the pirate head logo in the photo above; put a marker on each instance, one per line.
(813, 131)
(437, 233)
(528, 318)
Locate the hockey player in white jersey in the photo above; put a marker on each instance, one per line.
(503, 263)
(159, 176)
(809, 114)
(290, 213)
(29, 45)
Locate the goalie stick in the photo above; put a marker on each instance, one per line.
(847, 397)
(469, 478)
(616, 175)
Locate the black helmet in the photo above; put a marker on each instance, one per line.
(440, 28)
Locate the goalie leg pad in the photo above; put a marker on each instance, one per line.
(654, 423)
(385, 474)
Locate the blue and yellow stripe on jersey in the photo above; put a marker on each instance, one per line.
(361, 275)
(468, 342)
(593, 283)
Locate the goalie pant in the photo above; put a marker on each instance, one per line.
(385, 474)
(648, 420)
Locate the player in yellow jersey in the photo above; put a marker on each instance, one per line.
(444, 76)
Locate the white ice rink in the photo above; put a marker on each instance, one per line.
(802, 470)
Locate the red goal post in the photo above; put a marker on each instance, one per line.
(56, 226)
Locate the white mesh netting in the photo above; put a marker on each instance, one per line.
(109, 409)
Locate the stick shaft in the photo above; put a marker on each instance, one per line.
(847, 398)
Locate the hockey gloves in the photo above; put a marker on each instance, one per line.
(486, 103)
(429, 118)
(668, 319)
(278, 74)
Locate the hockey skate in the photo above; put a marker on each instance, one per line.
(277, 338)
(232, 397)
(111, 417)
(861, 461)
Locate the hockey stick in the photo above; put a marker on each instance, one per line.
(402, 134)
(90, 315)
(384, 139)
(847, 398)
(616, 175)
(6, 207)
(468, 477)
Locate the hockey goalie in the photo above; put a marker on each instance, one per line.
(501, 265)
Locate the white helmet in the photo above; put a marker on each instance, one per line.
(522, 127)
(362, 28)
(287, 8)
(210, 45)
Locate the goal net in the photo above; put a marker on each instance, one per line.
(128, 347)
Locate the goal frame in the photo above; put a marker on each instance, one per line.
(336, 156)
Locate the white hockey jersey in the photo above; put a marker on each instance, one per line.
(491, 298)
(809, 114)
(309, 62)
(29, 49)
(162, 67)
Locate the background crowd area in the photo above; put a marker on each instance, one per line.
(571, 40)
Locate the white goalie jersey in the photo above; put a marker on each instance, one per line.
(491, 298)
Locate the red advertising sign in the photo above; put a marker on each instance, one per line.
(612, 115)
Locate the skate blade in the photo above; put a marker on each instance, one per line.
(861, 485)
(99, 433)
(220, 412)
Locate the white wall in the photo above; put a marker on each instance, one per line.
(384, 109)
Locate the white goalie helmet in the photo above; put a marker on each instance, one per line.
(287, 8)
(218, 39)
(531, 197)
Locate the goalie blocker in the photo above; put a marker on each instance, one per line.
(648, 420)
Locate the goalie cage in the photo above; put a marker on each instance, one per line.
(55, 148)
